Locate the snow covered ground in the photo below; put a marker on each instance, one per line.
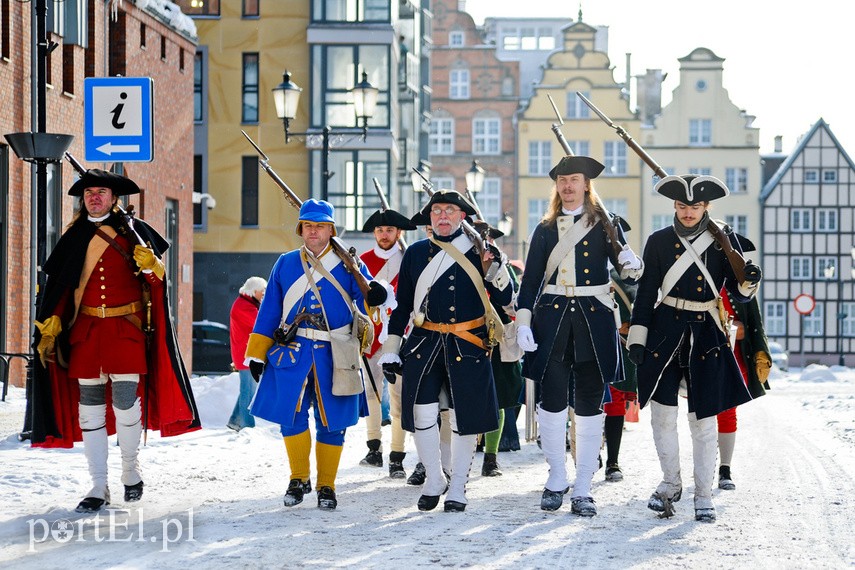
(213, 499)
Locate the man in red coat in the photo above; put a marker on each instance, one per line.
(103, 321)
(241, 320)
(383, 262)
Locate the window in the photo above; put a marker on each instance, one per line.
(181, 60)
(614, 158)
(456, 39)
(490, 200)
(250, 8)
(352, 10)
(829, 176)
(669, 170)
(510, 39)
(580, 148)
(539, 158)
(249, 113)
(800, 268)
(200, 7)
(198, 93)
(458, 84)
(738, 222)
(813, 322)
(662, 221)
(443, 183)
(163, 48)
(576, 108)
(811, 176)
(545, 39)
(53, 212)
(826, 220)
(848, 321)
(352, 195)
(441, 138)
(342, 67)
(775, 318)
(68, 68)
(5, 29)
(249, 191)
(822, 263)
(800, 220)
(171, 257)
(486, 136)
(528, 39)
(536, 210)
(617, 206)
(199, 209)
(700, 132)
(142, 35)
(736, 180)
(700, 171)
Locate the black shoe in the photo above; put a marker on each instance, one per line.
(490, 468)
(454, 507)
(661, 502)
(296, 490)
(386, 422)
(552, 500)
(613, 473)
(373, 459)
(326, 499)
(725, 481)
(417, 477)
(705, 515)
(133, 492)
(92, 504)
(583, 506)
(428, 502)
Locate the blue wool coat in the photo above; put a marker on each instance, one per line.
(290, 367)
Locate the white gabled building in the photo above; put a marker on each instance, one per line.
(808, 228)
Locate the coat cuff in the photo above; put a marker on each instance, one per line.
(637, 335)
(523, 318)
(748, 289)
(258, 346)
(392, 345)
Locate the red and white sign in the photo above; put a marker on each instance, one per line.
(804, 304)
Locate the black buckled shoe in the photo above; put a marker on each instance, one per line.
(583, 506)
(613, 473)
(661, 502)
(454, 507)
(725, 481)
(552, 500)
(374, 458)
(490, 467)
(417, 477)
(326, 499)
(133, 492)
(92, 505)
(396, 465)
(296, 491)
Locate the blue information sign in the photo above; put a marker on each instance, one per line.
(119, 119)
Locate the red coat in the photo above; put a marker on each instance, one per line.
(241, 320)
(375, 264)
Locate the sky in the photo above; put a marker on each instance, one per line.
(787, 64)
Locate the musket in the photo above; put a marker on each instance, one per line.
(384, 205)
(608, 225)
(347, 255)
(737, 262)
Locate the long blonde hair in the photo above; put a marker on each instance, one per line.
(592, 205)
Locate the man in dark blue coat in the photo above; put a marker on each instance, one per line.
(566, 305)
(679, 337)
(446, 358)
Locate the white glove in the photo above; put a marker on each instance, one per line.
(627, 259)
(525, 339)
(389, 358)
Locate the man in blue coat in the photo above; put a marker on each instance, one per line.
(567, 322)
(446, 359)
(311, 295)
(679, 336)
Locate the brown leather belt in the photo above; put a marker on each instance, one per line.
(460, 330)
(105, 312)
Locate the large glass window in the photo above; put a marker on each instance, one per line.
(458, 84)
(250, 8)
(54, 204)
(198, 78)
(848, 321)
(736, 180)
(487, 136)
(614, 158)
(814, 322)
(249, 191)
(249, 91)
(490, 200)
(351, 10)
(351, 191)
(576, 108)
(539, 158)
(800, 268)
(823, 263)
(617, 206)
(775, 318)
(700, 132)
(200, 7)
(341, 68)
(580, 148)
(536, 211)
(826, 220)
(739, 223)
(662, 221)
(441, 140)
(800, 220)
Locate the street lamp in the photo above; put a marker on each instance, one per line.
(286, 97)
(506, 224)
(830, 271)
(475, 178)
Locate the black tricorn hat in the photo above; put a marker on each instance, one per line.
(95, 178)
(420, 218)
(387, 218)
(573, 164)
(448, 197)
(493, 233)
(691, 189)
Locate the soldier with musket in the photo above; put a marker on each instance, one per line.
(444, 283)
(567, 323)
(679, 336)
(108, 356)
(384, 262)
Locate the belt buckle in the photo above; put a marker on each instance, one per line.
(444, 328)
(681, 304)
(569, 291)
(102, 312)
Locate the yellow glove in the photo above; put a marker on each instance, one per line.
(148, 261)
(762, 365)
(49, 330)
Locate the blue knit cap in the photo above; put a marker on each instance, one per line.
(317, 211)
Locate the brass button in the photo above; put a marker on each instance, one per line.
(563, 282)
(585, 254)
(703, 357)
(451, 308)
(563, 271)
(555, 305)
(452, 320)
(592, 309)
(572, 309)
(101, 260)
(700, 277)
(677, 245)
(430, 257)
(458, 359)
(587, 270)
(103, 296)
(572, 301)
(104, 305)
(103, 287)
(418, 356)
(677, 256)
(655, 355)
(585, 242)
(100, 269)
(587, 281)
(700, 289)
(102, 278)
(700, 317)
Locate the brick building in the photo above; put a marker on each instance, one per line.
(94, 39)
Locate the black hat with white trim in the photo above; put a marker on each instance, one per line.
(692, 189)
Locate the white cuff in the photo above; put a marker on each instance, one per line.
(523, 318)
(637, 335)
(748, 289)
(392, 345)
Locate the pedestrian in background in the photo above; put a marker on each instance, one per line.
(241, 320)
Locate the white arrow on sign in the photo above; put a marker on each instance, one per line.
(110, 148)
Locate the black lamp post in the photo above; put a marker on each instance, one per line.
(830, 273)
(286, 96)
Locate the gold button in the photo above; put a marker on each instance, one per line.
(103, 296)
(655, 355)
(700, 317)
(700, 289)
(587, 270)
(103, 287)
(677, 256)
(555, 305)
(563, 282)
(700, 277)
(703, 357)
(100, 269)
(592, 309)
(452, 320)
(585, 242)
(104, 305)
(102, 278)
(563, 271)
(101, 260)
(677, 245)
(587, 281)
(585, 254)
(458, 359)
(451, 308)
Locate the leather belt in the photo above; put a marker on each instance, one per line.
(576, 291)
(460, 330)
(106, 312)
(315, 334)
(686, 305)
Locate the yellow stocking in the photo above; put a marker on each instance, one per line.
(327, 457)
(298, 448)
